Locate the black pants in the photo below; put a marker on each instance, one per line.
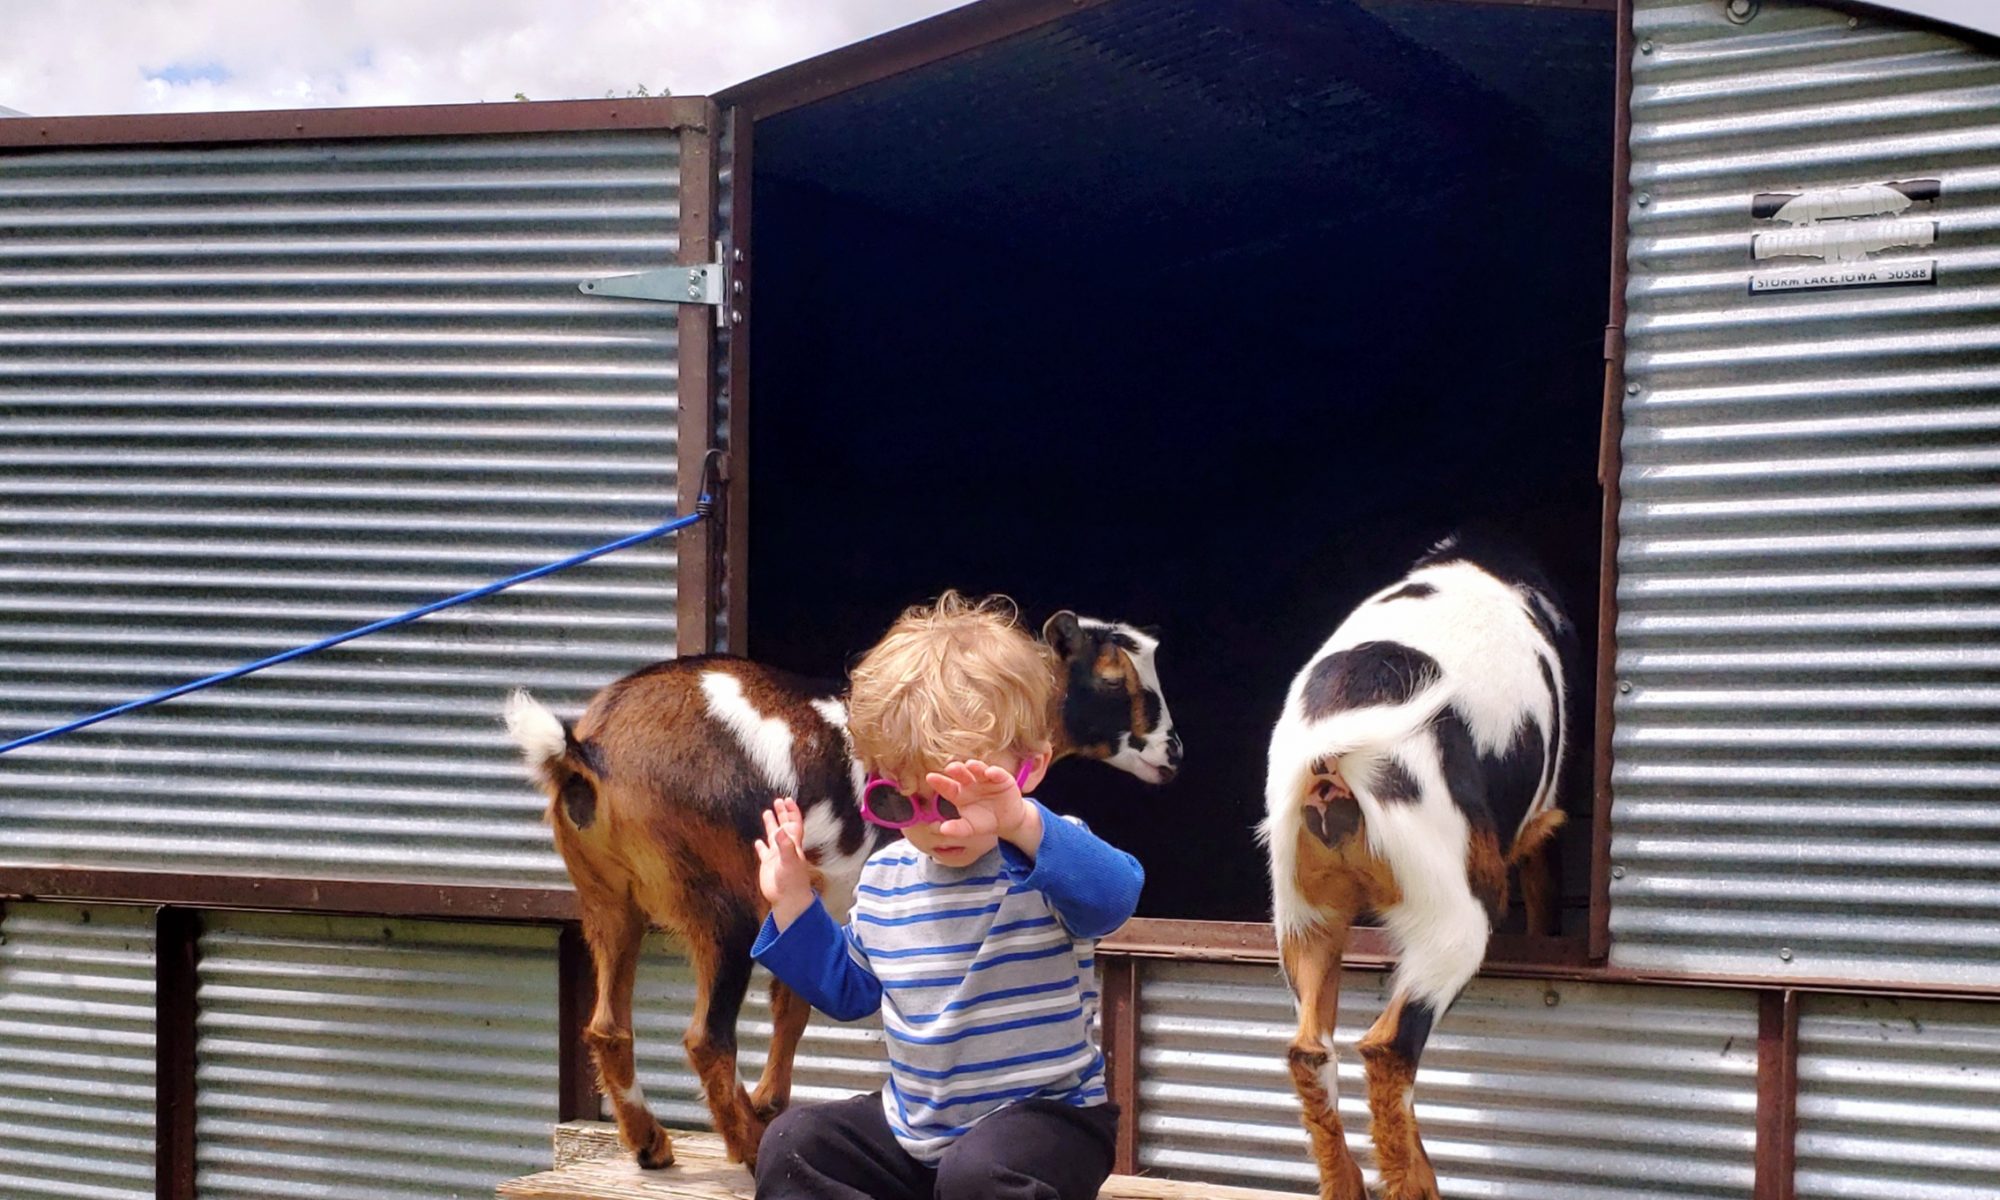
(1037, 1150)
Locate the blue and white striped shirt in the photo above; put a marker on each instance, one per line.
(983, 974)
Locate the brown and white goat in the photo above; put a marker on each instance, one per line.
(656, 798)
(1416, 760)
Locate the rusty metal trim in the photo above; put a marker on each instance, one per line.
(694, 553)
(417, 120)
(176, 941)
(576, 996)
(1611, 431)
(1777, 1094)
(1510, 956)
(367, 897)
(736, 506)
(1602, 6)
(1367, 945)
(1120, 984)
(892, 53)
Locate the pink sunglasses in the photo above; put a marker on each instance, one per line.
(885, 804)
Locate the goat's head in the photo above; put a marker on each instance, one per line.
(1112, 706)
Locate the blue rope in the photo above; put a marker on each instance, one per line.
(678, 523)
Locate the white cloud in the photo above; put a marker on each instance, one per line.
(64, 57)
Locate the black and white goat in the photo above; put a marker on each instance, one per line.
(656, 798)
(1416, 760)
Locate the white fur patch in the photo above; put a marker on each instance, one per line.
(1482, 634)
(842, 872)
(1147, 758)
(766, 740)
(635, 1095)
(538, 731)
(833, 711)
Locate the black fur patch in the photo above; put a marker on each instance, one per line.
(1373, 673)
(1409, 591)
(1493, 791)
(1550, 767)
(579, 801)
(1149, 703)
(1124, 641)
(1413, 1029)
(1336, 822)
(1393, 784)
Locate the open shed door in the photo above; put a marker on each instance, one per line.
(270, 376)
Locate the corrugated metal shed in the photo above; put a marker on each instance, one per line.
(1898, 1100)
(1528, 1090)
(834, 1060)
(261, 393)
(379, 1060)
(1805, 776)
(76, 1052)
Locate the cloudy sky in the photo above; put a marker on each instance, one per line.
(64, 57)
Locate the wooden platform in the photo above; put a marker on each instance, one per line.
(590, 1165)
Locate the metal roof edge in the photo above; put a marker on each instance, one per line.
(919, 44)
(1978, 16)
(507, 116)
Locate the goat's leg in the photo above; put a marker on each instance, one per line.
(789, 1015)
(1443, 938)
(722, 978)
(1538, 884)
(615, 929)
(1312, 967)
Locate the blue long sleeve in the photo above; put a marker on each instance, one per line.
(811, 956)
(1092, 885)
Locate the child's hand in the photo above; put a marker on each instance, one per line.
(782, 870)
(988, 802)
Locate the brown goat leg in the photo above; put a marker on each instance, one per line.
(1312, 966)
(1538, 885)
(615, 929)
(789, 1015)
(1390, 1049)
(722, 978)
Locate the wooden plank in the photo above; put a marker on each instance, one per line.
(599, 1169)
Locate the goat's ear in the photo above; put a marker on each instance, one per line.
(1063, 634)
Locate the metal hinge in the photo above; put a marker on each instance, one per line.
(704, 284)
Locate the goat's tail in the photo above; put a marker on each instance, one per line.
(1301, 747)
(556, 760)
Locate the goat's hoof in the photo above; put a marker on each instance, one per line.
(657, 1154)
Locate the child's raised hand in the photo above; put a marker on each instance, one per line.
(783, 873)
(987, 798)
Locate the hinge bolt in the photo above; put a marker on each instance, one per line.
(1642, 199)
(1550, 998)
(1785, 953)
(1741, 12)
(1624, 687)
(1646, 47)
(1618, 872)
(1631, 389)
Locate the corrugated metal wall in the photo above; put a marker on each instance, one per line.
(261, 393)
(1806, 778)
(834, 1060)
(1528, 1090)
(373, 1060)
(76, 1052)
(1898, 1100)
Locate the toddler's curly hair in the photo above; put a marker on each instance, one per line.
(957, 679)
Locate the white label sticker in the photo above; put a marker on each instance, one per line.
(1843, 241)
(1874, 274)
